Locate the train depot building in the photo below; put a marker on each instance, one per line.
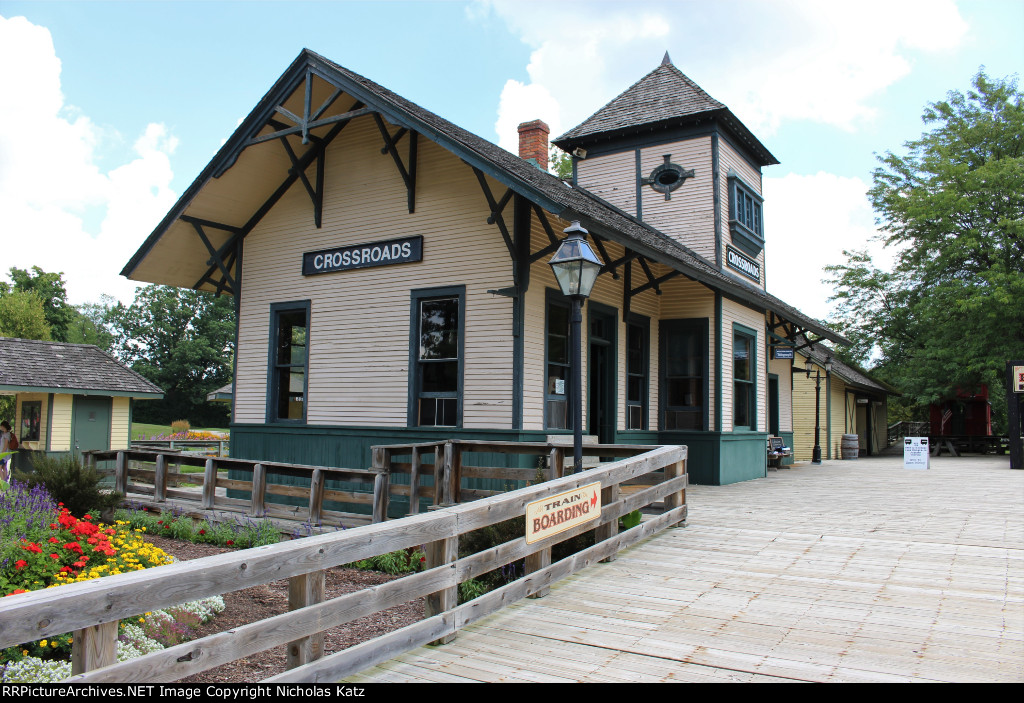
(391, 278)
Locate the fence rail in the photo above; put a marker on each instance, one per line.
(193, 445)
(92, 609)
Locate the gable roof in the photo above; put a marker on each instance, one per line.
(664, 98)
(237, 198)
(31, 365)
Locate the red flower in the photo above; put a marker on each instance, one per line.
(202, 532)
(230, 542)
(87, 516)
(32, 547)
(54, 556)
(20, 564)
(54, 540)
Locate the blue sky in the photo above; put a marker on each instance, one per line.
(109, 110)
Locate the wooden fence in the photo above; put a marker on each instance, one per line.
(216, 447)
(437, 473)
(92, 609)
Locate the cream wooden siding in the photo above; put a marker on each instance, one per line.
(44, 400)
(120, 420)
(803, 415)
(360, 319)
(839, 414)
(781, 368)
(683, 299)
(611, 177)
(732, 313)
(689, 215)
(728, 158)
(61, 428)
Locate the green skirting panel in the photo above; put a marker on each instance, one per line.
(744, 456)
(787, 437)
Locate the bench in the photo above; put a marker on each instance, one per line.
(777, 451)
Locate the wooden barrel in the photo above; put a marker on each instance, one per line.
(851, 446)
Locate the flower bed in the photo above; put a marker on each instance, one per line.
(42, 545)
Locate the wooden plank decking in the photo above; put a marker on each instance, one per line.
(851, 571)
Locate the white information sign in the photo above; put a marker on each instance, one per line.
(1018, 379)
(915, 452)
(558, 513)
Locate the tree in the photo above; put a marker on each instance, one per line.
(91, 326)
(559, 163)
(22, 315)
(183, 341)
(951, 311)
(49, 288)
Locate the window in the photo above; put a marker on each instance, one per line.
(558, 385)
(744, 357)
(31, 414)
(684, 374)
(637, 341)
(437, 358)
(289, 362)
(745, 216)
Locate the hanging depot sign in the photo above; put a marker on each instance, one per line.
(1018, 379)
(748, 267)
(359, 256)
(915, 452)
(783, 352)
(558, 513)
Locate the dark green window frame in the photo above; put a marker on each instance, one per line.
(684, 397)
(745, 216)
(744, 378)
(638, 371)
(430, 404)
(31, 421)
(285, 366)
(557, 362)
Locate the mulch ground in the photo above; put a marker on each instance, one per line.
(260, 602)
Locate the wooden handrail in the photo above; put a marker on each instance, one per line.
(88, 608)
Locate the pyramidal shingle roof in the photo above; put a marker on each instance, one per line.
(665, 97)
(56, 367)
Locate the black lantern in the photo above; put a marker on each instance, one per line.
(576, 267)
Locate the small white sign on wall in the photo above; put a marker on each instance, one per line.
(915, 452)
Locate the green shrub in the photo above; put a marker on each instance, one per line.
(403, 561)
(77, 487)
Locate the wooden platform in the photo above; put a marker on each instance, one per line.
(849, 571)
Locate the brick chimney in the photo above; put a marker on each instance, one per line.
(533, 143)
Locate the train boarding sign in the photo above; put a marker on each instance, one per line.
(558, 513)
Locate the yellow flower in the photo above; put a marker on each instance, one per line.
(42, 643)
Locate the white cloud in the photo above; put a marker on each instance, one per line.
(50, 181)
(769, 62)
(809, 222)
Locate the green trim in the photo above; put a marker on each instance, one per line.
(49, 422)
(773, 408)
(644, 323)
(555, 297)
(698, 325)
(828, 414)
(416, 296)
(718, 361)
(78, 391)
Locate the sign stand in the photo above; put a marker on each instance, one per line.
(1014, 419)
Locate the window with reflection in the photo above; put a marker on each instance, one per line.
(290, 362)
(637, 342)
(437, 362)
(31, 420)
(558, 377)
(684, 366)
(743, 358)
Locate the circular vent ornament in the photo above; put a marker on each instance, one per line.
(667, 177)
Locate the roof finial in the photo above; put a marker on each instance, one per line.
(666, 61)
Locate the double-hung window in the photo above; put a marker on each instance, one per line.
(744, 365)
(745, 222)
(31, 419)
(684, 364)
(437, 352)
(637, 355)
(289, 362)
(558, 377)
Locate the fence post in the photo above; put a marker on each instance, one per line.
(442, 474)
(121, 474)
(316, 497)
(160, 480)
(381, 483)
(209, 484)
(259, 491)
(536, 562)
(93, 647)
(556, 463)
(455, 476)
(443, 552)
(677, 499)
(305, 590)
(414, 482)
(609, 495)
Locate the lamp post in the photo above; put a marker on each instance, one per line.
(576, 266)
(816, 453)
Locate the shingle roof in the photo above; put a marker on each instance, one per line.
(554, 195)
(665, 97)
(29, 364)
(853, 376)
